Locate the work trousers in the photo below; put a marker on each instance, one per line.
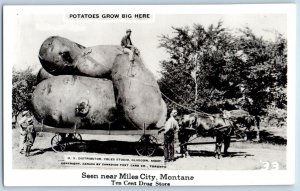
(169, 147)
(30, 136)
(130, 52)
(22, 140)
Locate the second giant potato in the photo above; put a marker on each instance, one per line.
(64, 101)
(137, 93)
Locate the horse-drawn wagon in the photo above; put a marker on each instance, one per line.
(148, 142)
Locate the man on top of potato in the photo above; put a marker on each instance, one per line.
(128, 46)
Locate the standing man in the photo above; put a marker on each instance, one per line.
(30, 136)
(169, 130)
(128, 46)
(23, 123)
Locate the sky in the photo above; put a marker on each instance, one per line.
(33, 29)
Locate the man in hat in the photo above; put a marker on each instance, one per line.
(23, 123)
(128, 46)
(30, 136)
(27, 133)
(169, 130)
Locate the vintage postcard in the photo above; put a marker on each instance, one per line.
(149, 95)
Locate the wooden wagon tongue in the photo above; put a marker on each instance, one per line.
(222, 127)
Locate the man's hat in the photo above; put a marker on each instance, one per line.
(174, 111)
(24, 113)
(30, 120)
(128, 30)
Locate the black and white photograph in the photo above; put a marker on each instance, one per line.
(149, 95)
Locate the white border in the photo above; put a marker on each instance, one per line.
(14, 177)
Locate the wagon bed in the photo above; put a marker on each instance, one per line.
(46, 128)
(145, 146)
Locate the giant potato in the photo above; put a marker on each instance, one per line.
(164, 114)
(57, 54)
(63, 101)
(97, 61)
(60, 56)
(138, 98)
(138, 95)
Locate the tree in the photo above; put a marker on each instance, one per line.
(211, 69)
(22, 87)
(195, 64)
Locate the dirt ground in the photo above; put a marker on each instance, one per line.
(242, 155)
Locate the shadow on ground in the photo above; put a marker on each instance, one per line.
(267, 137)
(202, 153)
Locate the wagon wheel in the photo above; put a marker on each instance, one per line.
(58, 144)
(75, 137)
(241, 135)
(146, 146)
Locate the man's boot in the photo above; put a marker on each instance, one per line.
(27, 151)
